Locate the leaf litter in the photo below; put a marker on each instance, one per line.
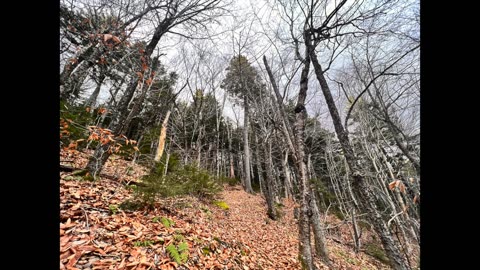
(92, 236)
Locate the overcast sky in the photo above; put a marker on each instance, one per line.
(253, 25)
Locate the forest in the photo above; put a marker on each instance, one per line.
(223, 134)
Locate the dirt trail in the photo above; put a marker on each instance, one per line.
(273, 244)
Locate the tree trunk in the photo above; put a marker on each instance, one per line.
(241, 165)
(306, 258)
(318, 232)
(138, 103)
(73, 82)
(246, 148)
(298, 150)
(356, 231)
(161, 139)
(396, 136)
(276, 183)
(259, 165)
(201, 131)
(360, 187)
(65, 87)
(100, 156)
(394, 129)
(230, 151)
(92, 100)
(70, 67)
(287, 130)
(269, 195)
(288, 181)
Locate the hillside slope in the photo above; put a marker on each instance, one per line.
(96, 234)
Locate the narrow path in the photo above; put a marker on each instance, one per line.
(274, 244)
(271, 244)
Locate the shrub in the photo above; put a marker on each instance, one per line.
(187, 180)
(229, 181)
(74, 120)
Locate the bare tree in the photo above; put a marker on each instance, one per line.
(170, 15)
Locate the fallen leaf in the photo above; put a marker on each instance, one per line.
(74, 259)
(393, 184)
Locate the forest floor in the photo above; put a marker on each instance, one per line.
(96, 234)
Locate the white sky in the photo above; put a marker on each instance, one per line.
(216, 52)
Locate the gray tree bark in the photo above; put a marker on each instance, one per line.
(92, 100)
(306, 258)
(270, 185)
(360, 187)
(246, 147)
(318, 232)
(101, 154)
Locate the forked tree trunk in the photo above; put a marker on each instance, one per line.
(360, 187)
(305, 248)
(296, 143)
(92, 100)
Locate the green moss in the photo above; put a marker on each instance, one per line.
(377, 252)
(351, 260)
(73, 178)
(113, 208)
(131, 187)
(81, 175)
(302, 262)
(221, 204)
(206, 250)
(205, 210)
(279, 210)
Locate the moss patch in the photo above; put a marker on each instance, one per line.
(222, 204)
(377, 252)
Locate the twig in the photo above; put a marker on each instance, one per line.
(396, 215)
(108, 255)
(86, 218)
(373, 80)
(96, 209)
(326, 213)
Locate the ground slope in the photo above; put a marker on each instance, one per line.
(96, 234)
